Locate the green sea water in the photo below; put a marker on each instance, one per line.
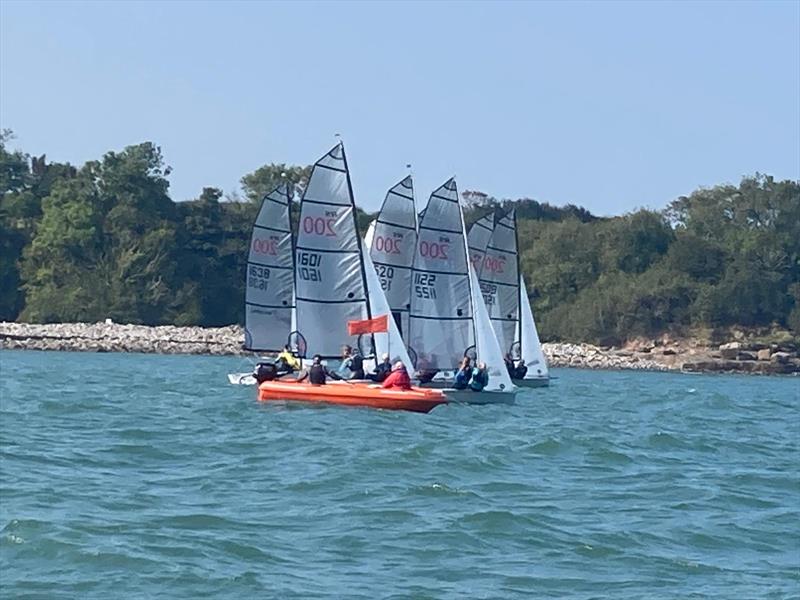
(144, 476)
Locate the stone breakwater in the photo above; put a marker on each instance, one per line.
(113, 337)
(678, 355)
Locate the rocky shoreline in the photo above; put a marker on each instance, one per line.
(648, 355)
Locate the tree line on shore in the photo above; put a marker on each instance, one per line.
(106, 240)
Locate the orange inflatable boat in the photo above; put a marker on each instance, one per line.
(352, 394)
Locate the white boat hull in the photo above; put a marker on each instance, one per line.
(468, 396)
(241, 379)
(534, 382)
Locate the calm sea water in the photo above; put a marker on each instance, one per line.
(146, 476)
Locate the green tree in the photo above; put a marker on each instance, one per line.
(266, 178)
(634, 242)
(106, 243)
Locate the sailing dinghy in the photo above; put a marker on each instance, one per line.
(496, 259)
(335, 280)
(269, 290)
(448, 319)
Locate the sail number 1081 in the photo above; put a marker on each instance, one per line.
(308, 267)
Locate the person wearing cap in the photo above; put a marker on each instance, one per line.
(382, 369)
(398, 378)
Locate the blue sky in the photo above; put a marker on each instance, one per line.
(611, 106)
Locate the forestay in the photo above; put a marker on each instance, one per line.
(440, 324)
(330, 280)
(392, 241)
(270, 277)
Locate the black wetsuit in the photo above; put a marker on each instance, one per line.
(317, 374)
(356, 367)
(381, 372)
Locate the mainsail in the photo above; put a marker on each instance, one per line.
(498, 274)
(270, 280)
(440, 324)
(392, 241)
(330, 282)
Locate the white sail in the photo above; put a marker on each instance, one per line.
(369, 235)
(499, 280)
(270, 277)
(531, 348)
(487, 348)
(392, 243)
(330, 282)
(390, 342)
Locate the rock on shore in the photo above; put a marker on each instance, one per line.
(113, 337)
(675, 355)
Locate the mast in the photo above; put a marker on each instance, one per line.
(359, 241)
(519, 287)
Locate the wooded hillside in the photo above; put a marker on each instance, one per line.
(106, 240)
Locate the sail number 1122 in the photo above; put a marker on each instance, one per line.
(424, 285)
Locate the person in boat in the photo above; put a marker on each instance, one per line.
(480, 378)
(463, 375)
(382, 369)
(520, 371)
(398, 378)
(512, 370)
(286, 361)
(425, 373)
(352, 366)
(317, 373)
(515, 371)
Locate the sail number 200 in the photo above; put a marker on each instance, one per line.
(320, 225)
(435, 250)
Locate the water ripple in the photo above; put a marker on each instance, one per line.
(605, 485)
